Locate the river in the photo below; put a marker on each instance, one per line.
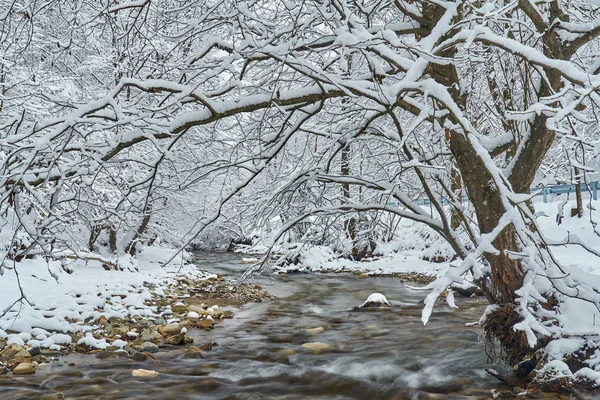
(375, 354)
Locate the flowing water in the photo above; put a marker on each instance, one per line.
(375, 354)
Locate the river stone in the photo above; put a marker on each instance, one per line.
(193, 352)
(13, 351)
(160, 321)
(24, 368)
(169, 329)
(119, 330)
(149, 347)
(140, 356)
(186, 323)
(175, 339)
(197, 309)
(34, 351)
(205, 323)
(179, 308)
(317, 347)
(144, 373)
(206, 346)
(315, 331)
(53, 396)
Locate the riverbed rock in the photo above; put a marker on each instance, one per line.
(34, 351)
(193, 352)
(175, 339)
(144, 373)
(205, 324)
(179, 308)
(317, 347)
(196, 308)
(169, 329)
(149, 347)
(140, 356)
(14, 351)
(315, 331)
(53, 396)
(24, 368)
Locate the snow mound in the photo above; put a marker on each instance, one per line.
(375, 299)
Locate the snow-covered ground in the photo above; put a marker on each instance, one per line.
(57, 306)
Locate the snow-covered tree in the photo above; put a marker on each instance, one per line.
(321, 111)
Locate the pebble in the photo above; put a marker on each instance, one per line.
(144, 373)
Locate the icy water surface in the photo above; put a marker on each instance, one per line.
(383, 354)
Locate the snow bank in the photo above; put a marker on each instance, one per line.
(54, 307)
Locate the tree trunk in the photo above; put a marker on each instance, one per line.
(456, 186)
(112, 240)
(130, 248)
(349, 225)
(578, 210)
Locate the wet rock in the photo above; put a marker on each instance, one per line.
(144, 373)
(140, 356)
(227, 314)
(287, 352)
(24, 368)
(160, 321)
(205, 324)
(102, 320)
(193, 352)
(107, 354)
(34, 351)
(315, 331)
(53, 396)
(317, 347)
(218, 313)
(207, 346)
(175, 339)
(169, 329)
(186, 323)
(149, 347)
